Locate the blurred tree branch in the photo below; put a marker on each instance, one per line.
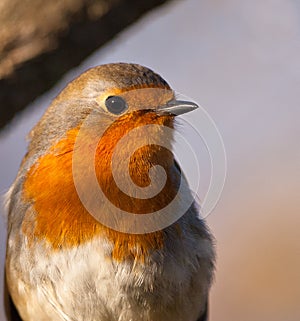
(41, 40)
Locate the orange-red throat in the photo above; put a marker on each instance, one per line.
(61, 219)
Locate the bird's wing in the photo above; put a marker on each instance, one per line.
(10, 309)
(204, 315)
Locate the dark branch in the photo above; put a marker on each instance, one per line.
(61, 44)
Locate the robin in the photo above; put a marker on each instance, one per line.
(69, 257)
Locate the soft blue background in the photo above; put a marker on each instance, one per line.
(240, 60)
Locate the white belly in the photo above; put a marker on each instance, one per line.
(85, 284)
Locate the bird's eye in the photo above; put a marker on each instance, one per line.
(116, 104)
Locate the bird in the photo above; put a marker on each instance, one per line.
(66, 263)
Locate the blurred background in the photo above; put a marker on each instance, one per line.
(241, 61)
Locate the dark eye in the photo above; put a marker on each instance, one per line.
(116, 104)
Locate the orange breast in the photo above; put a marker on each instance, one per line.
(60, 217)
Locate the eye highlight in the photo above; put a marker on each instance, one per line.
(116, 104)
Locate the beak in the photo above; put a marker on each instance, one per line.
(177, 107)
